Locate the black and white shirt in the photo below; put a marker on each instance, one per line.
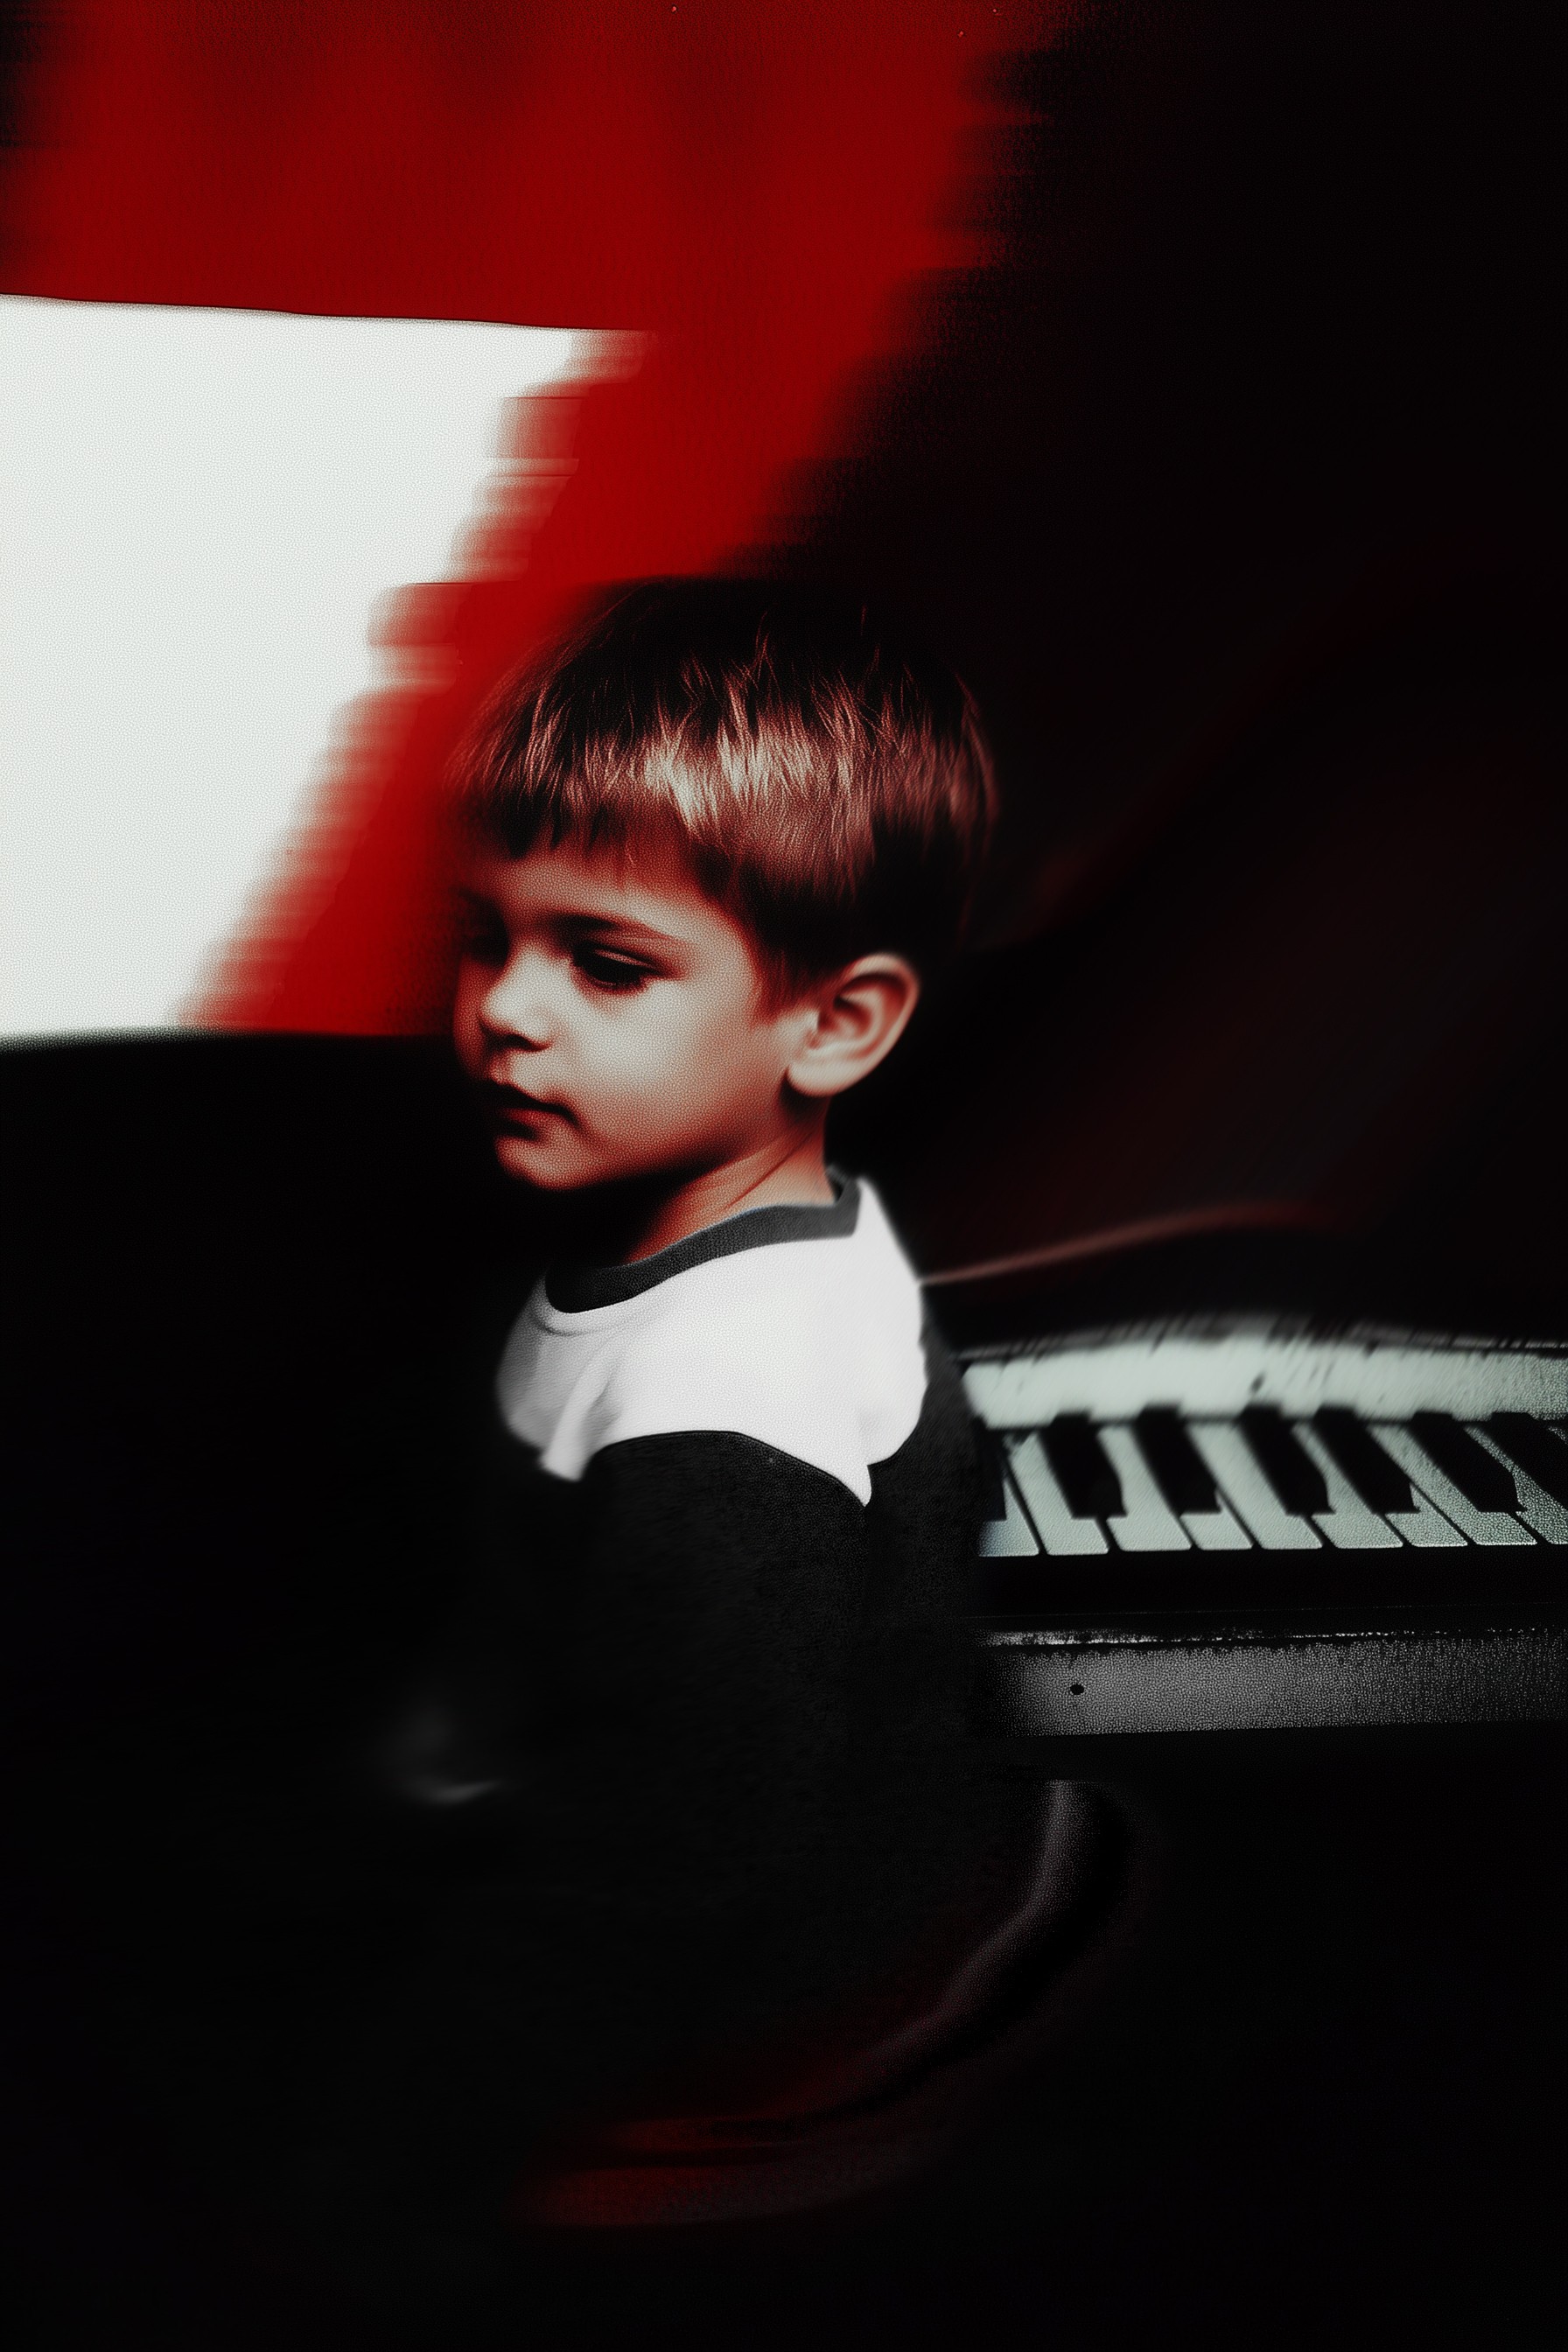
(687, 1764)
(798, 1328)
(726, 1544)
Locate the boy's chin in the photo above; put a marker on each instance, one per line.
(527, 1163)
(541, 1170)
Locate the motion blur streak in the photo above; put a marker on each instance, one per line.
(749, 192)
(195, 527)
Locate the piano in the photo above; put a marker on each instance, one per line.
(1240, 1522)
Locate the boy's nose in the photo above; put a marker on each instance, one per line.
(515, 1007)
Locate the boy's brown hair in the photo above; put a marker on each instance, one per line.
(829, 783)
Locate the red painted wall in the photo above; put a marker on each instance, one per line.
(752, 189)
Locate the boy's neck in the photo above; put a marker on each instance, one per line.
(640, 1220)
(765, 1179)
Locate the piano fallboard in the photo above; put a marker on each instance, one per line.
(1239, 1522)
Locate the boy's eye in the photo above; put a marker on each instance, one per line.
(604, 969)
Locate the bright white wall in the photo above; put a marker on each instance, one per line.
(198, 511)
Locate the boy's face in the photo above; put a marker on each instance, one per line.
(611, 1014)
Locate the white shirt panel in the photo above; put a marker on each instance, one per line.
(810, 1346)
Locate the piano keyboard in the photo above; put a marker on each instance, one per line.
(1171, 1502)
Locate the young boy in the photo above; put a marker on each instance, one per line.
(694, 1729)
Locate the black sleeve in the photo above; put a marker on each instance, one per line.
(665, 1777)
(666, 1721)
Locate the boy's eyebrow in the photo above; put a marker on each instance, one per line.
(627, 925)
(577, 922)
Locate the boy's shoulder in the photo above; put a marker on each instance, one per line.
(800, 1327)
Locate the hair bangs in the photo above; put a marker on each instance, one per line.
(830, 789)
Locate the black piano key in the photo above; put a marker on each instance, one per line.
(992, 1490)
(1535, 1448)
(1290, 1470)
(1083, 1469)
(1180, 1472)
(1376, 1477)
(1479, 1476)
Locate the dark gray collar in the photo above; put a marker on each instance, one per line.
(572, 1286)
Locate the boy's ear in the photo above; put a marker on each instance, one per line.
(857, 1019)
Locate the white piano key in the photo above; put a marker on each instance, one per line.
(1147, 1523)
(1011, 1537)
(1494, 1528)
(1059, 1531)
(1216, 1530)
(1537, 1508)
(1425, 1527)
(1349, 1524)
(1246, 1490)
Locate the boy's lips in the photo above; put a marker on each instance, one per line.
(505, 1102)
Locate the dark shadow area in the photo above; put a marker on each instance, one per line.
(257, 1287)
(1328, 2093)
(1255, 373)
